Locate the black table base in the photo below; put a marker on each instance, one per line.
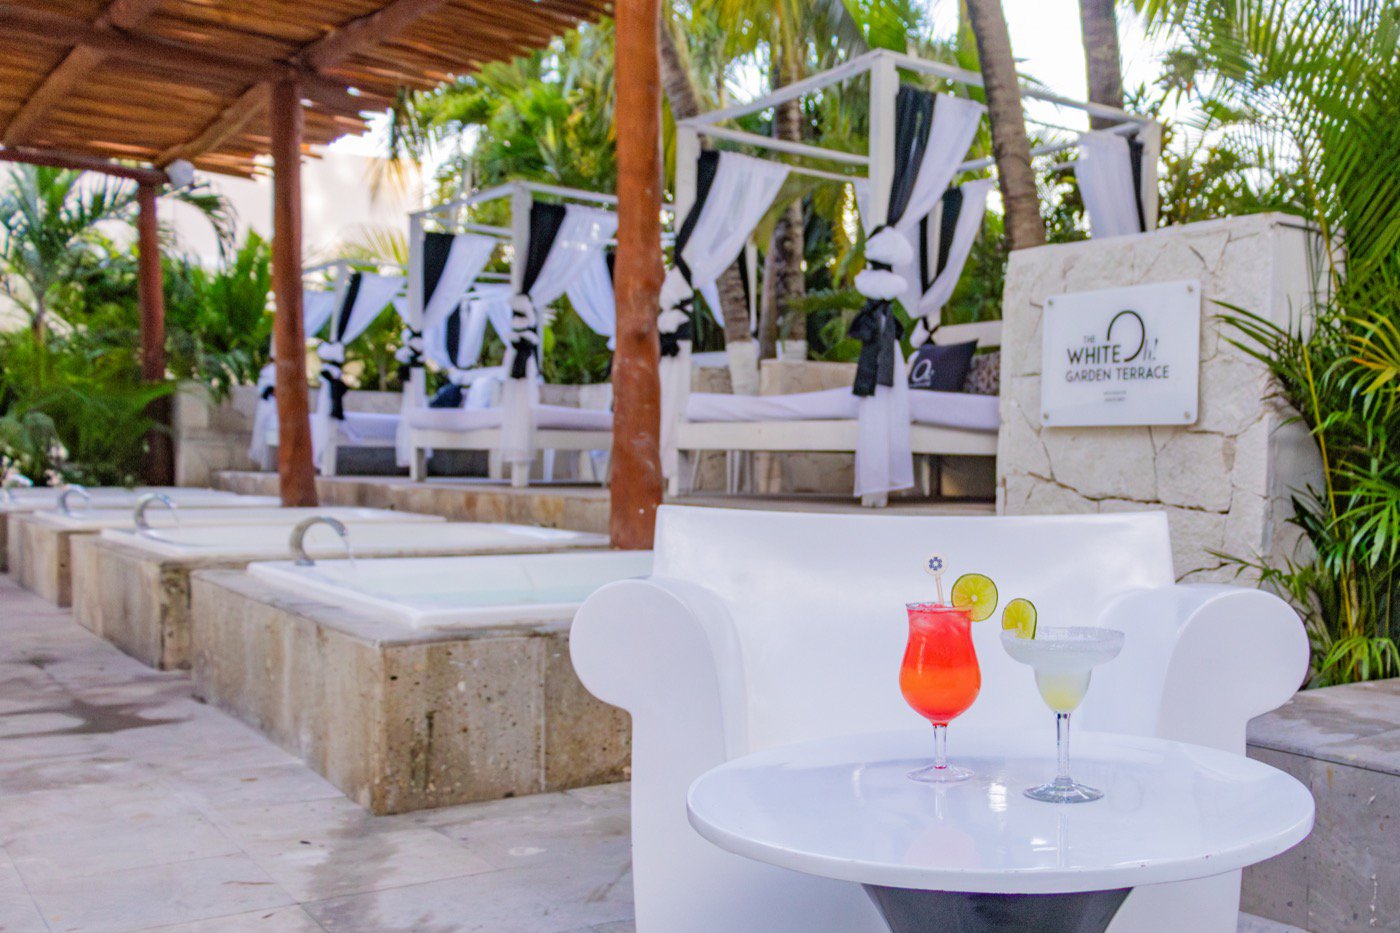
(911, 911)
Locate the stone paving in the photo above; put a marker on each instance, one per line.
(125, 804)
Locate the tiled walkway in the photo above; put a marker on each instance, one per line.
(125, 804)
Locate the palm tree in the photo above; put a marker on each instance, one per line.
(1098, 22)
(1015, 177)
(50, 224)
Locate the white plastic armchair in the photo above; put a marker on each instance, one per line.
(760, 629)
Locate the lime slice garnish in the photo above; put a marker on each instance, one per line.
(976, 593)
(1019, 617)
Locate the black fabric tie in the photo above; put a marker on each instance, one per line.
(338, 389)
(268, 392)
(411, 354)
(878, 331)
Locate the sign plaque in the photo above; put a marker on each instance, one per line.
(1122, 356)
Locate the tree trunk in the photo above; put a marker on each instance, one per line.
(158, 468)
(784, 278)
(636, 450)
(1098, 22)
(685, 103)
(1024, 226)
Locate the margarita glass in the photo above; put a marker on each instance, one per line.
(1063, 660)
(939, 678)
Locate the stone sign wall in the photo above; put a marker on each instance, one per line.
(1225, 481)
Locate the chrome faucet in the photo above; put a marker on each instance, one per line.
(12, 479)
(297, 544)
(138, 514)
(72, 489)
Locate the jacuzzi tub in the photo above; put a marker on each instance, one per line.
(381, 539)
(160, 518)
(460, 592)
(117, 497)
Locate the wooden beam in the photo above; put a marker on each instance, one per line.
(636, 451)
(167, 55)
(327, 52)
(55, 158)
(295, 470)
(159, 461)
(369, 30)
(76, 65)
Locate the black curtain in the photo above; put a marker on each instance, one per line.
(452, 336)
(707, 166)
(545, 221)
(945, 215)
(331, 371)
(1135, 149)
(876, 327)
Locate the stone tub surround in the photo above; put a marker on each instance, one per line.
(1344, 743)
(555, 505)
(1225, 482)
(402, 719)
(139, 600)
(42, 555)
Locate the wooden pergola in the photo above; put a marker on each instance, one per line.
(130, 87)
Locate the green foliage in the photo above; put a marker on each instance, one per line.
(571, 353)
(1303, 98)
(218, 326)
(70, 412)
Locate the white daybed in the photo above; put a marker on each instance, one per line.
(349, 308)
(941, 423)
(903, 182)
(560, 250)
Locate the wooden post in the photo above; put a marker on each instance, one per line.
(294, 466)
(636, 451)
(158, 468)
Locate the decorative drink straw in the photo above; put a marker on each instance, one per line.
(934, 568)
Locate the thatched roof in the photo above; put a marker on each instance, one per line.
(159, 80)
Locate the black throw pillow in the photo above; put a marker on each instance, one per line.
(941, 368)
(449, 396)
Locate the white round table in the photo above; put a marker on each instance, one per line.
(980, 855)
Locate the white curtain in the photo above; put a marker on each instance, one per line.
(582, 237)
(355, 314)
(955, 123)
(740, 194)
(884, 459)
(1104, 170)
(930, 305)
(742, 191)
(466, 257)
(317, 306)
(591, 294)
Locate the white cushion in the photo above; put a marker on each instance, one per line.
(553, 417)
(825, 405)
(954, 410)
(365, 426)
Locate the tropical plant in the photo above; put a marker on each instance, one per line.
(1309, 91)
(51, 224)
(72, 412)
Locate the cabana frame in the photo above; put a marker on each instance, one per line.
(521, 195)
(876, 165)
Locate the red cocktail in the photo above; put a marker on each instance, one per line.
(940, 678)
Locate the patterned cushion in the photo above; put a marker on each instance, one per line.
(984, 374)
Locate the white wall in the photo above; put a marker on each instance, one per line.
(339, 197)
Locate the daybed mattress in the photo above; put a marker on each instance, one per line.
(936, 409)
(364, 427)
(551, 417)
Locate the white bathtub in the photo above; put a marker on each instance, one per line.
(375, 539)
(160, 517)
(117, 497)
(460, 592)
